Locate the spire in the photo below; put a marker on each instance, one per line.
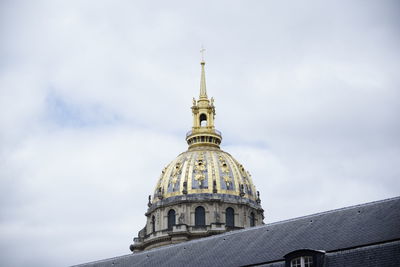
(203, 89)
(203, 132)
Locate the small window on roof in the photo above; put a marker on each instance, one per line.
(306, 261)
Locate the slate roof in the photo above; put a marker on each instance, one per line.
(332, 231)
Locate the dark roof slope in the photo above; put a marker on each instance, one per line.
(350, 227)
(382, 255)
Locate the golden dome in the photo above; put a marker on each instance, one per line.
(204, 191)
(204, 170)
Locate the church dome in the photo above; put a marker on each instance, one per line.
(202, 171)
(204, 191)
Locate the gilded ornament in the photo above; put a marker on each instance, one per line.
(200, 165)
(226, 172)
(224, 165)
(199, 168)
(227, 180)
(174, 181)
(176, 171)
(199, 177)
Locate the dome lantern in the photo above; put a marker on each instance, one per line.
(203, 110)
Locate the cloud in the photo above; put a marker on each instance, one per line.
(95, 100)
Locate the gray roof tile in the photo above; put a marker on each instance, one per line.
(355, 226)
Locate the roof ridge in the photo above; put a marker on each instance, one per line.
(102, 260)
(331, 211)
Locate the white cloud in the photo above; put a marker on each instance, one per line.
(95, 100)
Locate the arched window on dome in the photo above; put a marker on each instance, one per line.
(171, 219)
(153, 224)
(252, 219)
(230, 217)
(203, 120)
(199, 216)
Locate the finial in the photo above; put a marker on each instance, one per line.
(203, 90)
(202, 50)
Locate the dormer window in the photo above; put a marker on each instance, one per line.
(306, 261)
(305, 258)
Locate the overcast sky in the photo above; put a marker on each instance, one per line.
(95, 100)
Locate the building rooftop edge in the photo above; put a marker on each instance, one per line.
(244, 230)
